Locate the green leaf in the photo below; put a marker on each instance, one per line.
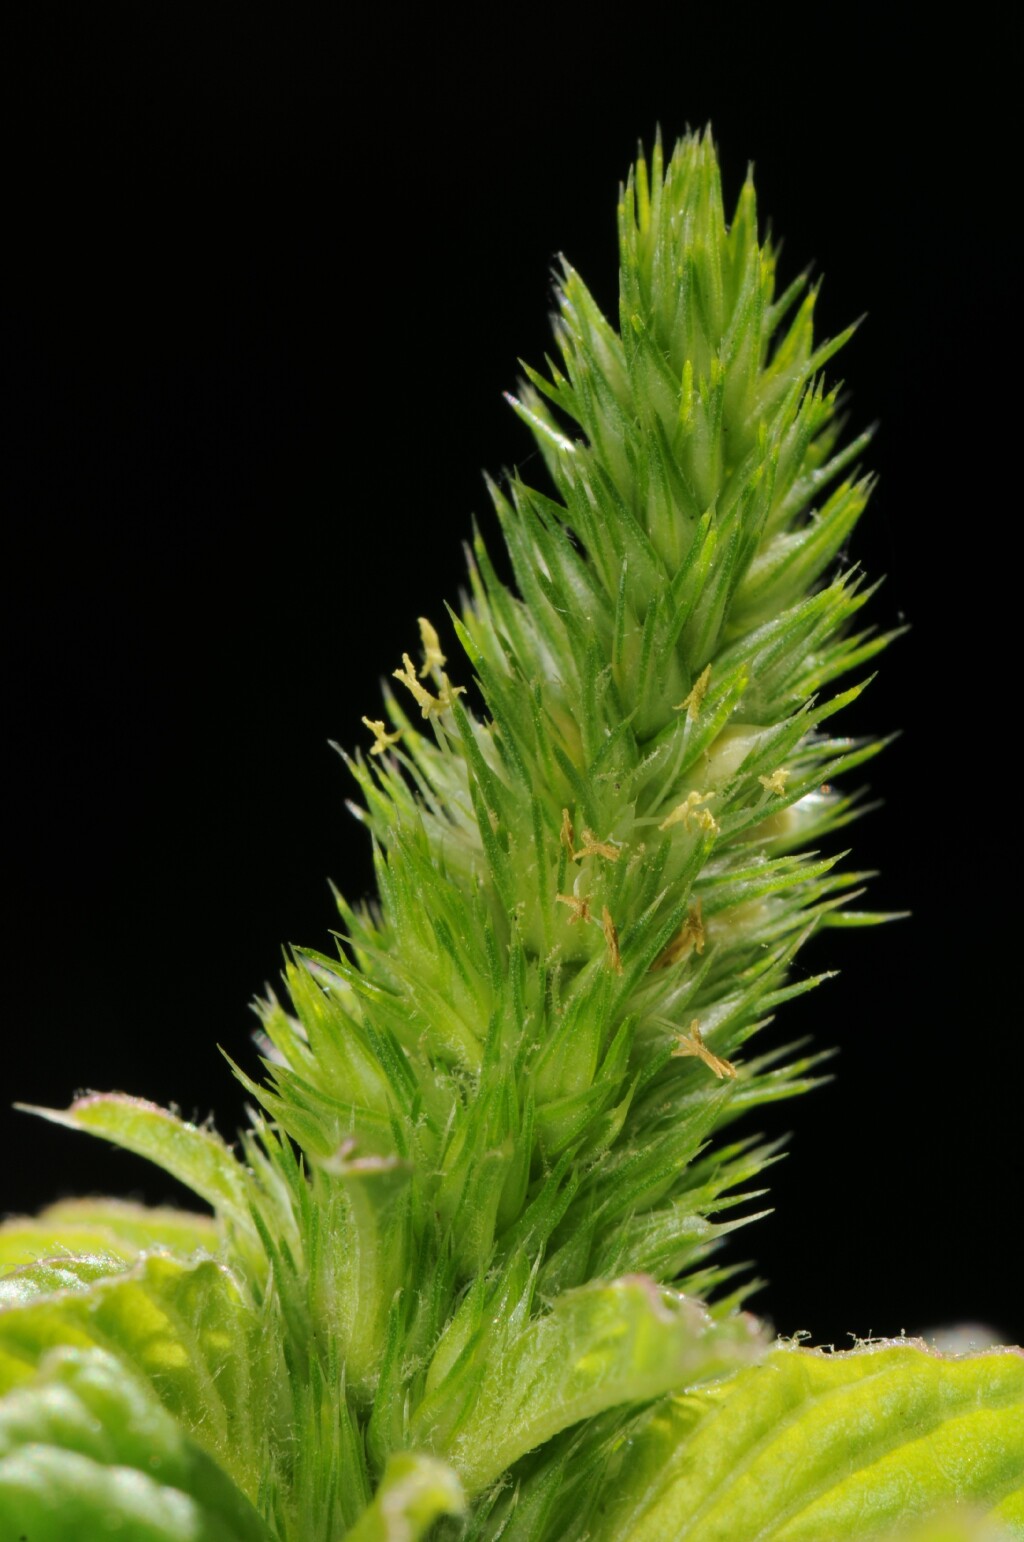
(87, 1451)
(599, 1346)
(113, 1228)
(810, 1446)
(198, 1158)
(954, 1525)
(49, 1276)
(185, 1327)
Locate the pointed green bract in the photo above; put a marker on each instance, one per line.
(442, 1288)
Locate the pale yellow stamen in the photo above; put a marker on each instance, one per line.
(690, 935)
(430, 706)
(407, 675)
(567, 834)
(446, 696)
(433, 658)
(579, 907)
(686, 813)
(692, 702)
(611, 937)
(692, 1043)
(683, 812)
(381, 738)
(595, 848)
(776, 782)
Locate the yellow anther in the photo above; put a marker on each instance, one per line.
(707, 821)
(433, 658)
(692, 702)
(567, 834)
(611, 937)
(595, 848)
(579, 907)
(381, 738)
(407, 675)
(684, 813)
(446, 696)
(690, 935)
(776, 782)
(692, 1043)
(430, 706)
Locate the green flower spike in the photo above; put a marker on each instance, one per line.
(462, 1277)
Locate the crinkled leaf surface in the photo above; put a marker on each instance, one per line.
(954, 1525)
(600, 1346)
(810, 1446)
(185, 1327)
(87, 1451)
(47, 1276)
(109, 1227)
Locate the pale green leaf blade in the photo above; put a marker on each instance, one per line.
(103, 1225)
(600, 1346)
(955, 1525)
(843, 1446)
(48, 1276)
(196, 1157)
(185, 1327)
(87, 1451)
(415, 1491)
(111, 1228)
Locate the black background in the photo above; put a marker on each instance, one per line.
(264, 280)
